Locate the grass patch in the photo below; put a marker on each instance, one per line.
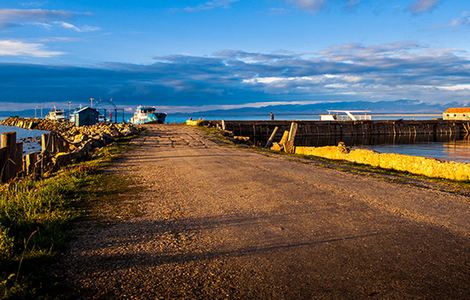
(35, 218)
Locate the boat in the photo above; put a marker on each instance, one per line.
(346, 115)
(56, 115)
(148, 115)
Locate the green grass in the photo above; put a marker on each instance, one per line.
(35, 218)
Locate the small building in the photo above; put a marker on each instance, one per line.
(86, 116)
(457, 113)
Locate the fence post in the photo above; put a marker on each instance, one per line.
(46, 143)
(30, 163)
(3, 162)
(8, 141)
(18, 159)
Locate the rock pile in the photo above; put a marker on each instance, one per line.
(66, 143)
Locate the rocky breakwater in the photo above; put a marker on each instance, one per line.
(66, 142)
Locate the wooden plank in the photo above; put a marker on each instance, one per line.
(271, 138)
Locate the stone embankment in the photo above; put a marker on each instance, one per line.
(64, 144)
(102, 131)
(425, 166)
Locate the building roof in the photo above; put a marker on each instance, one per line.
(456, 110)
(83, 109)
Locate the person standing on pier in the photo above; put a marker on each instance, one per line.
(271, 116)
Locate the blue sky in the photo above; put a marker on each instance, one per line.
(228, 52)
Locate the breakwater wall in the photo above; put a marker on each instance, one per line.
(64, 144)
(331, 132)
(399, 162)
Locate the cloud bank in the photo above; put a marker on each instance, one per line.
(342, 73)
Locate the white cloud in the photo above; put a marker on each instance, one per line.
(16, 16)
(209, 5)
(316, 79)
(421, 6)
(19, 48)
(463, 20)
(44, 18)
(455, 88)
(70, 26)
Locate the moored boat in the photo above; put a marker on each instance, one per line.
(148, 115)
(56, 115)
(346, 115)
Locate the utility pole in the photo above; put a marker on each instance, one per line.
(69, 104)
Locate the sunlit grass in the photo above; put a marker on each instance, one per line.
(34, 220)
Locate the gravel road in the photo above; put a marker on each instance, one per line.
(207, 221)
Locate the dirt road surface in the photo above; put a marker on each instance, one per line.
(208, 221)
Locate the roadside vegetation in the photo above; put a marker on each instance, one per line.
(35, 218)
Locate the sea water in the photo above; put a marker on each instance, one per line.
(31, 138)
(454, 150)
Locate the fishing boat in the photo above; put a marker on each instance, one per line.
(148, 115)
(56, 115)
(346, 115)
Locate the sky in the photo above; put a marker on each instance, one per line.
(222, 53)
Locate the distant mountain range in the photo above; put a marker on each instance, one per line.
(398, 106)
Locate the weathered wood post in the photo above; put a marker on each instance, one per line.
(254, 133)
(45, 152)
(8, 141)
(18, 159)
(271, 138)
(289, 148)
(30, 161)
(3, 162)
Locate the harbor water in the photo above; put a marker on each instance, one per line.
(454, 150)
(31, 138)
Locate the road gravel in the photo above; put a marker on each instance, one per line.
(210, 221)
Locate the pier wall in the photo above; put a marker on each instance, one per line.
(260, 131)
(406, 163)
